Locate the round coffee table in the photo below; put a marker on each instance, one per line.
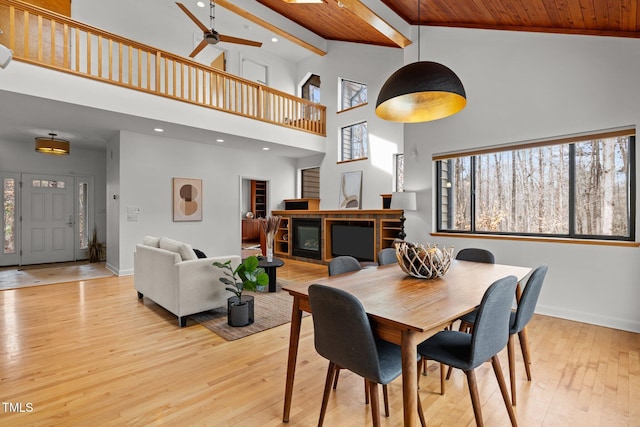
(270, 269)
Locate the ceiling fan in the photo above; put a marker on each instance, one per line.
(211, 36)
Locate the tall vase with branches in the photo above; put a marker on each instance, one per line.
(270, 226)
(95, 248)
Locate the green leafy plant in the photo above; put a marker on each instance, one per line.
(247, 275)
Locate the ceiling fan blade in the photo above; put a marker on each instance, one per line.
(193, 18)
(230, 39)
(198, 48)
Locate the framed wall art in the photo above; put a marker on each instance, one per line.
(350, 190)
(187, 199)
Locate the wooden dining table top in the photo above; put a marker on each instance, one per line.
(390, 296)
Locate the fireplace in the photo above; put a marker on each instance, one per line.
(306, 237)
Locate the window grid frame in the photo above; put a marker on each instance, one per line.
(572, 231)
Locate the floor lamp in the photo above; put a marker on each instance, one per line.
(405, 200)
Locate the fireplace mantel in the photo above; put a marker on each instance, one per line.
(386, 224)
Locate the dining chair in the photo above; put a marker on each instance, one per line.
(343, 335)
(519, 319)
(476, 255)
(339, 265)
(465, 254)
(387, 256)
(489, 336)
(343, 264)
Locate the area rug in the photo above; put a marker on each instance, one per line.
(47, 274)
(271, 309)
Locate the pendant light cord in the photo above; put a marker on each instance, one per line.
(419, 30)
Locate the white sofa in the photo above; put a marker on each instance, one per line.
(169, 273)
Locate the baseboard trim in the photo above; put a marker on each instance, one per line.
(591, 318)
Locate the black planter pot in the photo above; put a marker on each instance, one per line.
(240, 314)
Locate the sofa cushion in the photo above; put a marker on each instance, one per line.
(151, 241)
(199, 253)
(184, 249)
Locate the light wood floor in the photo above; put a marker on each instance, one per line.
(89, 353)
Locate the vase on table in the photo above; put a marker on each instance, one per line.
(270, 247)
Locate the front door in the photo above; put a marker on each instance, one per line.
(47, 218)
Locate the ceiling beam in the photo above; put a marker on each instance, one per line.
(375, 21)
(243, 13)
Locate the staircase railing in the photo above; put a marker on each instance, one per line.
(40, 37)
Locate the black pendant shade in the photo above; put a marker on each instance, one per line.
(421, 92)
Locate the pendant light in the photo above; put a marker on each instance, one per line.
(52, 145)
(421, 92)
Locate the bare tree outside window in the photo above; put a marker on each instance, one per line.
(352, 94)
(354, 144)
(580, 189)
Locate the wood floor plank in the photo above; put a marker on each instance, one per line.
(90, 353)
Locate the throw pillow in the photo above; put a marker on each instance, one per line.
(151, 241)
(199, 253)
(184, 249)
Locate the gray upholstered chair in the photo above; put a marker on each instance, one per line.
(387, 256)
(343, 264)
(476, 255)
(343, 335)
(466, 254)
(489, 336)
(519, 319)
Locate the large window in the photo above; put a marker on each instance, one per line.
(354, 142)
(352, 94)
(576, 188)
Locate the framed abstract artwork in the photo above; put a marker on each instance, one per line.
(187, 199)
(350, 190)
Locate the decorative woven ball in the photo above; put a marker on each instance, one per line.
(423, 262)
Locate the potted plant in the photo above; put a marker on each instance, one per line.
(247, 275)
(95, 248)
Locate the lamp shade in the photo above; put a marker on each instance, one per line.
(52, 145)
(405, 200)
(421, 92)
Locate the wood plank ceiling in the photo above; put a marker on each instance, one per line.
(352, 21)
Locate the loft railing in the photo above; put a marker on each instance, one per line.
(40, 37)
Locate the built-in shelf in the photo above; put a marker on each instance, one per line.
(282, 244)
(386, 223)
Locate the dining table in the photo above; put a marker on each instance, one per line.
(402, 309)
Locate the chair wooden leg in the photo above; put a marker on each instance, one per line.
(385, 396)
(475, 399)
(424, 366)
(524, 345)
(503, 389)
(442, 377)
(423, 421)
(335, 379)
(366, 392)
(375, 404)
(327, 389)
(512, 368)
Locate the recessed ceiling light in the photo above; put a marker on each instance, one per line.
(158, 129)
(219, 140)
(274, 39)
(200, 3)
(266, 148)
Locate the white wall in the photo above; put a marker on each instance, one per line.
(147, 166)
(370, 65)
(525, 86)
